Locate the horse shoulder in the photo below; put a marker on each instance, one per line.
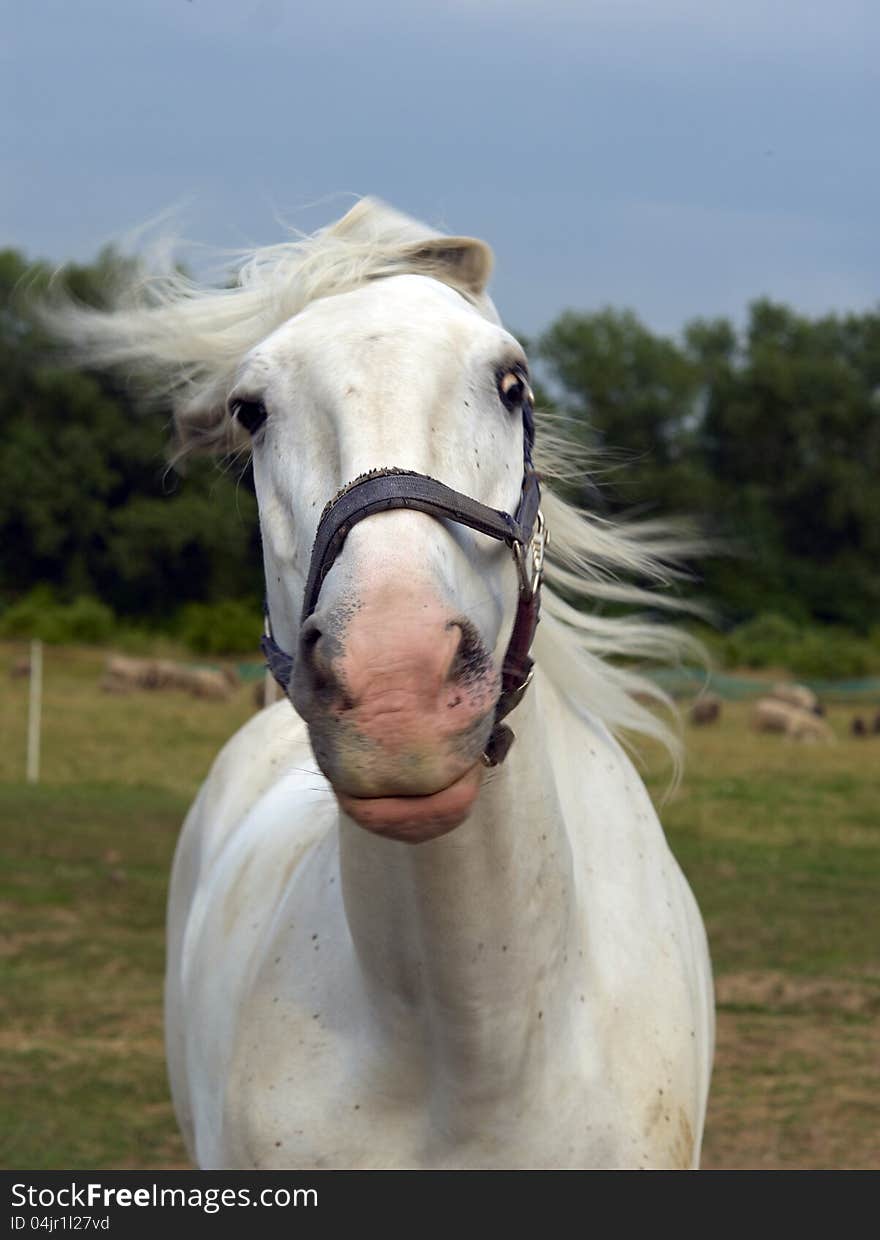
(646, 954)
(254, 819)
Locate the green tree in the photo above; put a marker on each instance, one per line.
(635, 397)
(769, 437)
(88, 503)
(791, 434)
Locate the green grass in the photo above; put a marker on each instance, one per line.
(157, 739)
(780, 841)
(788, 833)
(82, 898)
(807, 857)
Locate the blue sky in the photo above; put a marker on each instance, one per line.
(678, 157)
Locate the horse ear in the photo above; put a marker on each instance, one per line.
(463, 262)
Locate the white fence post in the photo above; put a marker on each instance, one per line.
(36, 701)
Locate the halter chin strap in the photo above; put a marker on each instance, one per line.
(525, 533)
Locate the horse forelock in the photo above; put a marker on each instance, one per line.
(186, 339)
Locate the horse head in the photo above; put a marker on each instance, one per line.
(397, 658)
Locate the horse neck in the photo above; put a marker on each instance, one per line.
(471, 929)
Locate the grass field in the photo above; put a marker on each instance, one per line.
(781, 843)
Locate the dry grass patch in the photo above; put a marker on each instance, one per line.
(795, 1087)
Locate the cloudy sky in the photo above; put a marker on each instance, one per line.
(679, 157)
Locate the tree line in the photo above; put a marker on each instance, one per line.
(768, 435)
(88, 502)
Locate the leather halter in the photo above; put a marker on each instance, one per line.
(525, 533)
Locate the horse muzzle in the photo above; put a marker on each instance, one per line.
(383, 490)
(399, 697)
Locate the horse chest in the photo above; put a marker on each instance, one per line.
(316, 1122)
(330, 1089)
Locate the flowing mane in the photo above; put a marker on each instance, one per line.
(187, 340)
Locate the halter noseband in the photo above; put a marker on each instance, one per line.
(525, 533)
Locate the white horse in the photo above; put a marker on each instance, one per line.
(383, 953)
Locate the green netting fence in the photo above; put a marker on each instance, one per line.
(688, 681)
(251, 671)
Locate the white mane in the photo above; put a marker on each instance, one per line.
(187, 340)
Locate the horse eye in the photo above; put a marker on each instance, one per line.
(514, 390)
(251, 414)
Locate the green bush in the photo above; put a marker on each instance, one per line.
(765, 641)
(810, 651)
(228, 627)
(39, 614)
(88, 620)
(35, 615)
(831, 654)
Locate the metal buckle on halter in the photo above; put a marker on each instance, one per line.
(503, 736)
(513, 697)
(530, 559)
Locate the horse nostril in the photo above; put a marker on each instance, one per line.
(318, 648)
(310, 656)
(471, 660)
(310, 635)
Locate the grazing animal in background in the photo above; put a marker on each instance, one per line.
(858, 727)
(422, 912)
(796, 695)
(770, 715)
(204, 682)
(122, 674)
(875, 726)
(231, 676)
(706, 709)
